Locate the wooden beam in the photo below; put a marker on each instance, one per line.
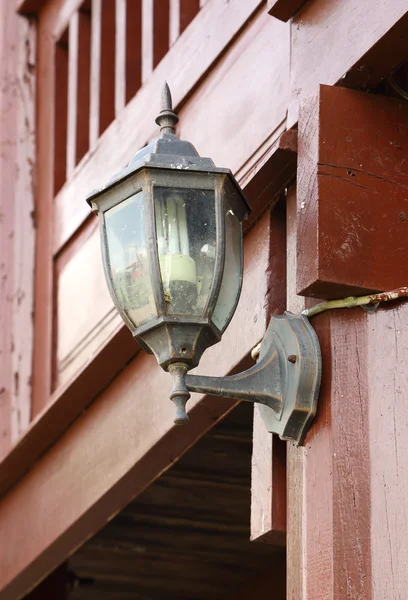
(268, 477)
(221, 22)
(284, 9)
(340, 179)
(119, 445)
(348, 476)
(376, 43)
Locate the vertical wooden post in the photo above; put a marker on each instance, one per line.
(17, 110)
(347, 484)
(95, 79)
(268, 489)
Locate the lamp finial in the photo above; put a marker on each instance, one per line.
(167, 119)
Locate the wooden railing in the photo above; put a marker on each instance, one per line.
(103, 57)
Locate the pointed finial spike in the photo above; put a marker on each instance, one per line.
(166, 103)
(167, 118)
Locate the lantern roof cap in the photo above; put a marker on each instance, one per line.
(166, 151)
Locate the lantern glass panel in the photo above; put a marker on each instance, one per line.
(232, 277)
(186, 241)
(127, 259)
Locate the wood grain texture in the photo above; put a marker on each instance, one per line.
(43, 298)
(119, 444)
(258, 66)
(186, 537)
(184, 65)
(17, 233)
(331, 39)
(387, 346)
(284, 9)
(329, 529)
(268, 481)
(352, 156)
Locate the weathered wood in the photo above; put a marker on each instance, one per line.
(95, 81)
(119, 444)
(133, 48)
(387, 346)
(161, 30)
(260, 58)
(61, 113)
(73, 69)
(107, 77)
(215, 25)
(284, 9)
(332, 39)
(120, 56)
(268, 480)
(344, 246)
(187, 535)
(17, 114)
(43, 315)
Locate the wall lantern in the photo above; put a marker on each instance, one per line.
(171, 236)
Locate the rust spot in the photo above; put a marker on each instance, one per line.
(403, 216)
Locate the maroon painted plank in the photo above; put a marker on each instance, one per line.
(344, 246)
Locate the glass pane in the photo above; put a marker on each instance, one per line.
(231, 279)
(186, 239)
(128, 264)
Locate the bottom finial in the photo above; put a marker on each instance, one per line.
(179, 393)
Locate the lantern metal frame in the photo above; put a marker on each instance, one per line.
(285, 382)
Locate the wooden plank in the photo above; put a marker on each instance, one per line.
(95, 85)
(133, 48)
(295, 456)
(43, 316)
(320, 54)
(268, 476)
(107, 66)
(61, 114)
(212, 29)
(161, 30)
(120, 56)
(17, 108)
(387, 344)
(119, 445)
(338, 187)
(260, 57)
(83, 86)
(147, 39)
(284, 9)
(73, 68)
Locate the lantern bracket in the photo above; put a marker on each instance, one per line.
(284, 383)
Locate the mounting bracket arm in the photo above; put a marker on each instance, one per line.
(285, 381)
